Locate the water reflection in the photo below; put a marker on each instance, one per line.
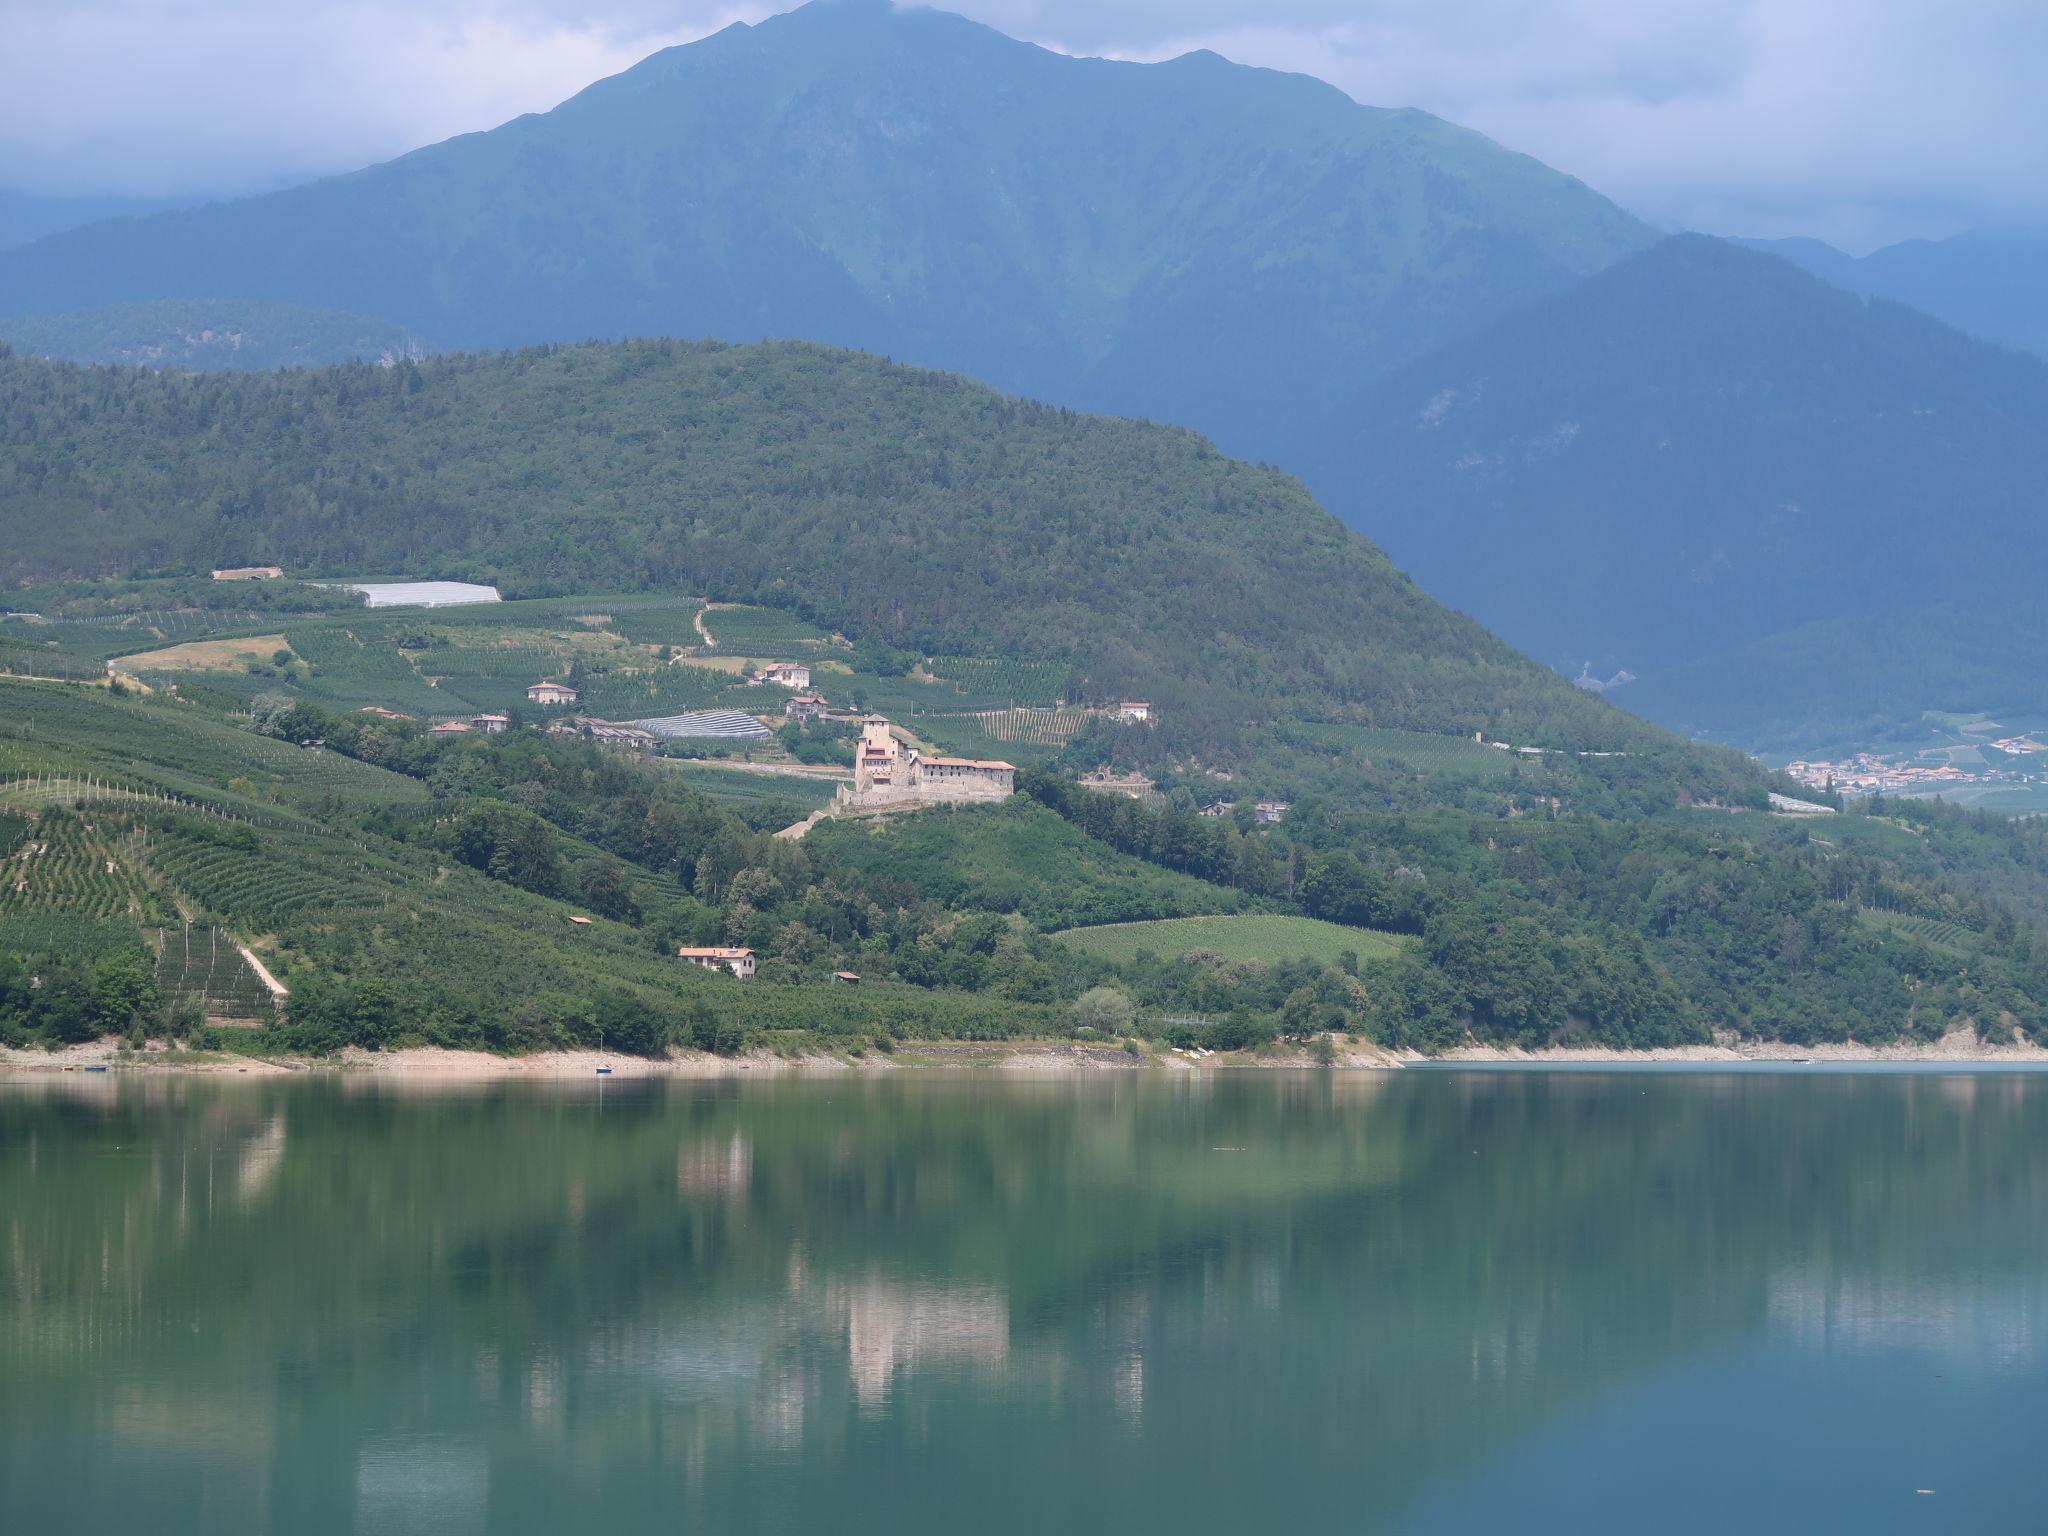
(1305, 1301)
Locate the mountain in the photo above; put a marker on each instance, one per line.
(1991, 284)
(1704, 463)
(1193, 241)
(26, 217)
(234, 335)
(896, 506)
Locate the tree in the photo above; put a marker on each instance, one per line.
(123, 992)
(1106, 1010)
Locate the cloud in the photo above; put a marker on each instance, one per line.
(159, 96)
(1857, 120)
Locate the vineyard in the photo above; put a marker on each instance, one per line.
(205, 966)
(671, 690)
(963, 736)
(1005, 684)
(362, 665)
(94, 640)
(669, 624)
(21, 659)
(478, 678)
(160, 747)
(1033, 727)
(261, 884)
(1933, 932)
(76, 868)
(762, 631)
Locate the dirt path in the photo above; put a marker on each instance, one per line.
(277, 988)
(795, 832)
(709, 643)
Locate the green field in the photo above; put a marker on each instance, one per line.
(1260, 936)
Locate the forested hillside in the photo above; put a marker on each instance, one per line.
(1194, 240)
(210, 333)
(1784, 508)
(901, 507)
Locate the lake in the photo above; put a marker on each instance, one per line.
(1433, 1301)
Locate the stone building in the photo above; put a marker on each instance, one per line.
(888, 772)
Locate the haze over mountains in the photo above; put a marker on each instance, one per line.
(1991, 284)
(1195, 241)
(1757, 492)
(1743, 485)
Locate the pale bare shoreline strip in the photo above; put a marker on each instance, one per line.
(1962, 1049)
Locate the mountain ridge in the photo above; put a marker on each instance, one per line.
(1171, 240)
(1696, 450)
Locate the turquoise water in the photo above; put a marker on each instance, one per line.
(1435, 1302)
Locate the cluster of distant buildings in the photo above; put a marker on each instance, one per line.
(1868, 773)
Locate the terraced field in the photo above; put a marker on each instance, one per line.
(1261, 936)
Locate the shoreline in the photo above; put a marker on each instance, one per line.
(437, 1064)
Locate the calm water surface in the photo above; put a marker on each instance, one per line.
(1421, 1302)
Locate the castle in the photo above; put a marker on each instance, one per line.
(889, 774)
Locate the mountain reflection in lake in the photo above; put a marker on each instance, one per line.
(1442, 1301)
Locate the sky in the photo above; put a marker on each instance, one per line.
(1855, 121)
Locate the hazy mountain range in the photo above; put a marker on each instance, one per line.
(1993, 285)
(1678, 459)
(1196, 241)
(1739, 483)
